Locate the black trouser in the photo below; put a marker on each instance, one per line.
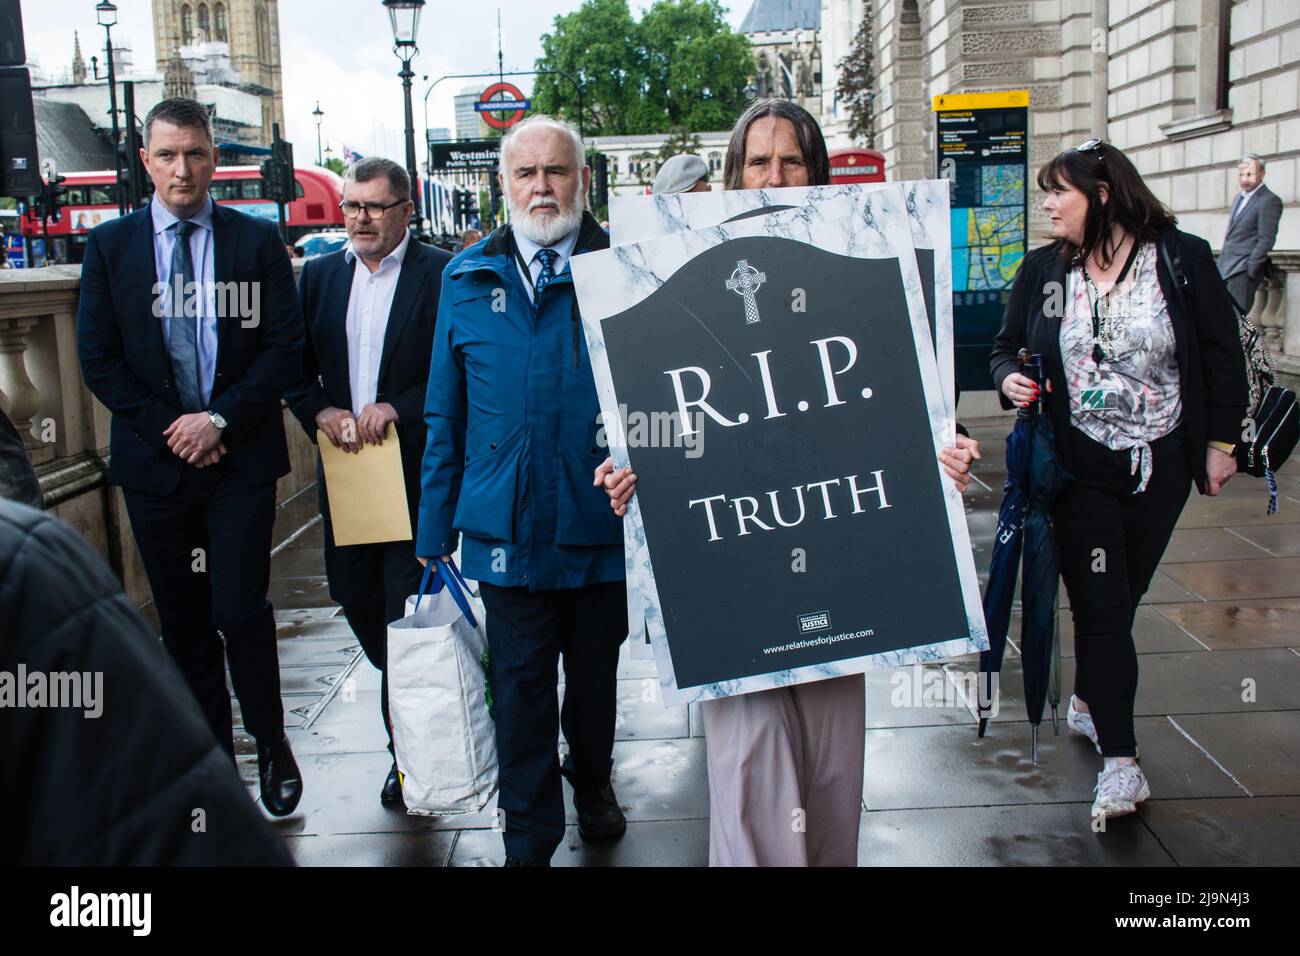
(527, 632)
(1111, 542)
(207, 551)
(372, 583)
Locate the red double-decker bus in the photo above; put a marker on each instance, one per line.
(91, 201)
(857, 165)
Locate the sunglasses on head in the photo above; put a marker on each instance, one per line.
(1092, 146)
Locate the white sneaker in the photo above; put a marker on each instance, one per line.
(1081, 723)
(1119, 790)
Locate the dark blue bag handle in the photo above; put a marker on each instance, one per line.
(455, 582)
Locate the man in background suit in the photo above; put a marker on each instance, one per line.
(189, 331)
(370, 309)
(1252, 230)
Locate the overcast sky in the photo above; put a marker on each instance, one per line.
(340, 53)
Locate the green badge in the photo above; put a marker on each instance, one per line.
(1098, 400)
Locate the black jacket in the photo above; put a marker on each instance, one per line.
(18, 480)
(325, 287)
(124, 356)
(120, 788)
(1211, 365)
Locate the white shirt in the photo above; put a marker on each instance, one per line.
(528, 249)
(369, 303)
(202, 254)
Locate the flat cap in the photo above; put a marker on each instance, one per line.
(679, 174)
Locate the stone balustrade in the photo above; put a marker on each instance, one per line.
(66, 429)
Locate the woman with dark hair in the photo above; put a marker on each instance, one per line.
(1146, 389)
(785, 765)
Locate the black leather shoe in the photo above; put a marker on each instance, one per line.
(391, 795)
(278, 774)
(599, 815)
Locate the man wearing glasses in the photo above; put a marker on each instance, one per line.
(369, 311)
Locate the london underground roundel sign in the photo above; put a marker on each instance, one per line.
(502, 105)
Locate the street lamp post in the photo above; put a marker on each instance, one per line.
(106, 14)
(405, 18)
(318, 113)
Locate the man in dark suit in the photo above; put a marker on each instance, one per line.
(1252, 230)
(189, 331)
(370, 310)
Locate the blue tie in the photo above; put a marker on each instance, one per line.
(544, 278)
(182, 340)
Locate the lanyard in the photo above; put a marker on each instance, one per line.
(1101, 325)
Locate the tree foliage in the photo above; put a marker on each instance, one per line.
(857, 86)
(679, 66)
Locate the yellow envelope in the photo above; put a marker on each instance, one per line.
(367, 495)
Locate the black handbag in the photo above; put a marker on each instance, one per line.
(1273, 425)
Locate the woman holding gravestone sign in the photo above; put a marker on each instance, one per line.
(785, 765)
(1147, 390)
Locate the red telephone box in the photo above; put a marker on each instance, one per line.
(856, 165)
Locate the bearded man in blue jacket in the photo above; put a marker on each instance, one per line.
(512, 421)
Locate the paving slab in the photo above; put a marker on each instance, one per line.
(652, 843)
(951, 767)
(1261, 832)
(1236, 580)
(1280, 540)
(1052, 835)
(1261, 749)
(1209, 544)
(426, 848)
(1231, 625)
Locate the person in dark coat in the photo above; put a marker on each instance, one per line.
(1146, 389)
(18, 480)
(513, 418)
(117, 765)
(189, 331)
(369, 310)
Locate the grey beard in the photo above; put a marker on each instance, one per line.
(549, 232)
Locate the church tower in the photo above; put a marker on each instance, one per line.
(251, 28)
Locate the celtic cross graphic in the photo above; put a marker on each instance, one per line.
(745, 282)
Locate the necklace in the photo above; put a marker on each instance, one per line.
(1105, 324)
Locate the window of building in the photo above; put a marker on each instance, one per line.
(715, 162)
(220, 11)
(205, 24)
(187, 23)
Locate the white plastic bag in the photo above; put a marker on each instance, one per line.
(437, 687)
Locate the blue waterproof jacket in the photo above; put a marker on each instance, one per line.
(512, 418)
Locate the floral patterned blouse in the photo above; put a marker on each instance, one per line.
(1132, 397)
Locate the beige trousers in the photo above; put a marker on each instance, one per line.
(785, 774)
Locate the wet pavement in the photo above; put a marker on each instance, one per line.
(1218, 723)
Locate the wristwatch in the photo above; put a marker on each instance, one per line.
(219, 422)
(1222, 446)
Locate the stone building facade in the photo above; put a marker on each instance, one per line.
(1184, 87)
(250, 29)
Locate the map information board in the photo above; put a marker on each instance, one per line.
(982, 151)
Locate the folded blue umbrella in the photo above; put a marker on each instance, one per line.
(1025, 543)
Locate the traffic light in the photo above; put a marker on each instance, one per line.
(600, 181)
(458, 197)
(277, 172)
(53, 197)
